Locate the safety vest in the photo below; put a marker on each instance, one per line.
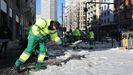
(41, 27)
(76, 32)
(91, 34)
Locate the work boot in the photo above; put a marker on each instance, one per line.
(46, 57)
(38, 66)
(17, 69)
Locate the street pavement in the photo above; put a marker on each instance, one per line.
(102, 60)
(13, 52)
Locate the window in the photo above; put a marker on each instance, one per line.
(108, 20)
(94, 5)
(104, 7)
(94, 10)
(108, 12)
(18, 3)
(26, 0)
(101, 14)
(108, 6)
(104, 13)
(104, 20)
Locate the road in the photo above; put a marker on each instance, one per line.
(102, 60)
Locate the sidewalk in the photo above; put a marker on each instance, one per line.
(13, 52)
(100, 62)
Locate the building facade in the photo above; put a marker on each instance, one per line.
(66, 15)
(107, 12)
(82, 15)
(49, 9)
(74, 14)
(124, 14)
(108, 26)
(92, 13)
(17, 14)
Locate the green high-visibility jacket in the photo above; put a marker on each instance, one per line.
(91, 34)
(76, 32)
(41, 27)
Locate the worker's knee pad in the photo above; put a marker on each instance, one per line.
(41, 57)
(24, 56)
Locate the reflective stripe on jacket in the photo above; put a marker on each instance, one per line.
(76, 32)
(41, 26)
(91, 34)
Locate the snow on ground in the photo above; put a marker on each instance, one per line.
(100, 61)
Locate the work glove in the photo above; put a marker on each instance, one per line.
(59, 42)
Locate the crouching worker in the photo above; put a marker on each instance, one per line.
(37, 33)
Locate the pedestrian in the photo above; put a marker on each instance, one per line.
(91, 38)
(5, 36)
(37, 33)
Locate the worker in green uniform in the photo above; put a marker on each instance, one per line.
(91, 38)
(37, 33)
(76, 34)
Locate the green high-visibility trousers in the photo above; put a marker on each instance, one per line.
(91, 41)
(33, 40)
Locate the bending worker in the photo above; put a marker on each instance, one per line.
(37, 33)
(76, 34)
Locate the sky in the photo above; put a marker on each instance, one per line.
(59, 9)
(37, 7)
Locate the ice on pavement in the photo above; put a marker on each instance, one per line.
(111, 61)
(103, 60)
